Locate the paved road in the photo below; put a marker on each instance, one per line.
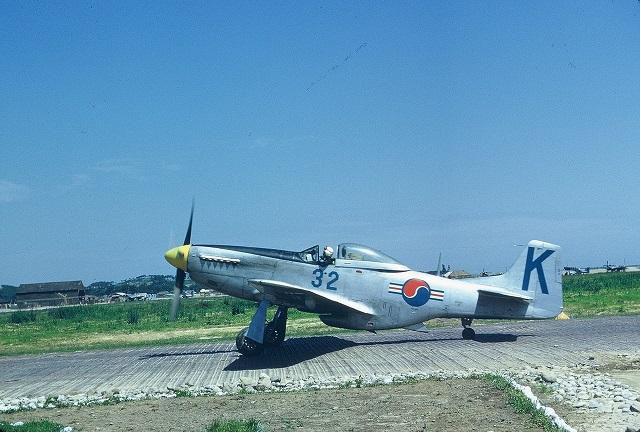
(502, 346)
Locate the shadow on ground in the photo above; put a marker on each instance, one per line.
(184, 353)
(298, 350)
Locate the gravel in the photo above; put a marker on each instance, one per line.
(593, 394)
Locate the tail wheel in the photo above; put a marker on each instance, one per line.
(468, 333)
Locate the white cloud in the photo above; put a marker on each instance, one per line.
(10, 191)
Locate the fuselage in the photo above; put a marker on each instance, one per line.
(399, 296)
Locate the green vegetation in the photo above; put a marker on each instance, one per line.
(541, 388)
(520, 403)
(602, 294)
(34, 426)
(235, 426)
(183, 393)
(20, 317)
(135, 324)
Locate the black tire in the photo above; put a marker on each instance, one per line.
(247, 346)
(468, 333)
(274, 334)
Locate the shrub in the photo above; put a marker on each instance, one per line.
(20, 317)
(235, 426)
(238, 308)
(133, 316)
(63, 312)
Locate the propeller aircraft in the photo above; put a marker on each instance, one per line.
(358, 287)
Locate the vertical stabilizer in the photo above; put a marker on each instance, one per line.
(536, 273)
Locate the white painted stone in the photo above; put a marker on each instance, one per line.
(247, 381)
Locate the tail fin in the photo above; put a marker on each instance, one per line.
(537, 273)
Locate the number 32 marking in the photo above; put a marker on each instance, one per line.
(317, 282)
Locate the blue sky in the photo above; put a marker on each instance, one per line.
(414, 127)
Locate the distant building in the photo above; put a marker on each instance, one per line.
(50, 294)
(91, 299)
(118, 297)
(137, 296)
(457, 274)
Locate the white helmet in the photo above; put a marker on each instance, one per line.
(328, 251)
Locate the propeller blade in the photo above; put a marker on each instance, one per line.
(187, 238)
(177, 293)
(181, 274)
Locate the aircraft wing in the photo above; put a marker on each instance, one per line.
(292, 294)
(501, 292)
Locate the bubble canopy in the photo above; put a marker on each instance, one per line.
(358, 252)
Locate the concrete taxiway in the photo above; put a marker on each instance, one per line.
(503, 346)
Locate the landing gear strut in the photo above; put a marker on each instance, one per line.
(467, 332)
(252, 340)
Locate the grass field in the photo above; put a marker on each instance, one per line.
(146, 323)
(34, 426)
(135, 324)
(602, 294)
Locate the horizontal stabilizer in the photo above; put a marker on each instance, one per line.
(285, 291)
(500, 292)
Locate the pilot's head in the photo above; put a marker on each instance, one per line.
(327, 252)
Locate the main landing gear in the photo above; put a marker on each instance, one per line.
(276, 329)
(252, 340)
(247, 346)
(467, 332)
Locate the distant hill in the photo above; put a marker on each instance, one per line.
(151, 284)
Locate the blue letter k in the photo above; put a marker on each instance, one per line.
(535, 264)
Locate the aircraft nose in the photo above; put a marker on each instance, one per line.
(178, 256)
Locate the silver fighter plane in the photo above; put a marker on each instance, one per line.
(358, 287)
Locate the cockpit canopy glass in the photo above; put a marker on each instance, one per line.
(357, 252)
(311, 254)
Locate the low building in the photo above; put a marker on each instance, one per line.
(118, 297)
(50, 294)
(457, 274)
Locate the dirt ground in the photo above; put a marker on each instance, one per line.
(452, 405)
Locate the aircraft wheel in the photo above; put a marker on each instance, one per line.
(247, 346)
(468, 333)
(273, 334)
